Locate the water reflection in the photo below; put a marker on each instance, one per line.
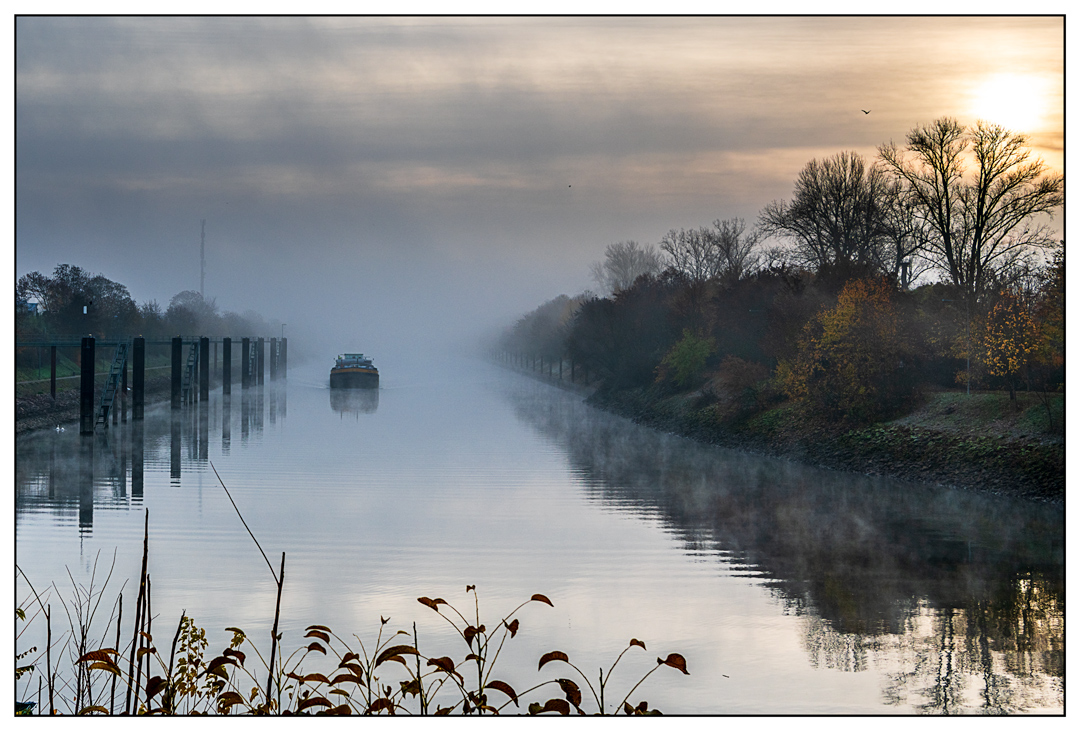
(958, 598)
(61, 469)
(354, 401)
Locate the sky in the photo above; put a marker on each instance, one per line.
(376, 180)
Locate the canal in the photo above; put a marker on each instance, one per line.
(788, 589)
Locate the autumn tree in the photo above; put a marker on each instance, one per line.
(684, 364)
(1009, 339)
(983, 222)
(623, 263)
(853, 359)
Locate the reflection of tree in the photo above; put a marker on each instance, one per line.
(920, 583)
(993, 657)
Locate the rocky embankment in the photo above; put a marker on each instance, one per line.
(40, 411)
(975, 444)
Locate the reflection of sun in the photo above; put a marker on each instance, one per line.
(1015, 101)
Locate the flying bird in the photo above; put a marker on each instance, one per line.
(865, 111)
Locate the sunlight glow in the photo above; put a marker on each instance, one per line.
(1017, 102)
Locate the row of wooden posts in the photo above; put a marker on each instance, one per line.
(249, 375)
(537, 362)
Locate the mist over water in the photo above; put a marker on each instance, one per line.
(788, 589)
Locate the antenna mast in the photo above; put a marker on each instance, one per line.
(202, 262)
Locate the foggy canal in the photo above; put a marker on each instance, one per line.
(788, 589)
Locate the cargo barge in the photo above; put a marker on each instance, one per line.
(353, 370)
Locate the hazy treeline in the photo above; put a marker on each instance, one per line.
(928, 266)
(74, 302)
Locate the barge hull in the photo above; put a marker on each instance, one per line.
(354, 379)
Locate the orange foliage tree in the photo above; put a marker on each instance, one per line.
(853, 360)
(1009, 340)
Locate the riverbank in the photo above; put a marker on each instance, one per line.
(980, 442)
(41, 412)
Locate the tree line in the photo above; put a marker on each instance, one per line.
(933, 265)
(72, 301)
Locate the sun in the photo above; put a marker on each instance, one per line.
(1017, 102)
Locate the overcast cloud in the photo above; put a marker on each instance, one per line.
(421, 175)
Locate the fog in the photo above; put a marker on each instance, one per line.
(404, 186)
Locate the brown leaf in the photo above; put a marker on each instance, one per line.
(470, 633)
(155, 685)
(235, 653)
(313, 701)
(472, 656)
(411, 687)
(573, 692)
(513, 627)
(504, 688)
(470, 587)
(316, 647)
(110, 666)
(381, 704)
(433, 603)
(348, 656)
(443, 663)
(444, 711)
(676, 661)
(558, 705)
(541, 598)
(342, 710)
(396, 651)
(322, 627)
(103, 655)
(218, 662)
(346, 678)
(318, 633)
(639, 643)
(317, 677)
(553, 655)
(227, 700)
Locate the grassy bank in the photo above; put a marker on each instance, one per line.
(980, 442)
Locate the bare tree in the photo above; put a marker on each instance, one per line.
(692, 252)
(837, 214)
(984, 225)
(736, 248)
(623, 263)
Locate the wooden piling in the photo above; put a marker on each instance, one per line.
(273, 358)
(138, 377)
(204, 369)
(124, 391)
(284, 358)
(260, 361)
(177, 370)
(245, 364)
(86, 386)
(226, 366)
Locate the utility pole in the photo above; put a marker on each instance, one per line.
(202, 262)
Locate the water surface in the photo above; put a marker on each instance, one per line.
(788, 589)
